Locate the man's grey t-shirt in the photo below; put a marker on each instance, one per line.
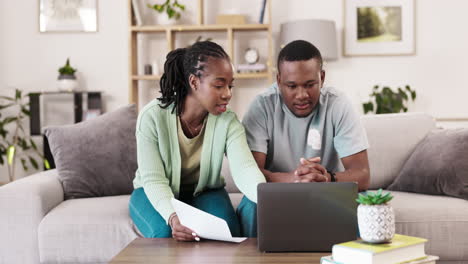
(332, 131)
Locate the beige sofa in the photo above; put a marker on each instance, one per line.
(38, 226)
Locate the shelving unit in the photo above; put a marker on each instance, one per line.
(171, 32)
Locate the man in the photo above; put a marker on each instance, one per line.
(300, 131)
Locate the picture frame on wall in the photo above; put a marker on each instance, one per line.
(68, 16)
(379, 27)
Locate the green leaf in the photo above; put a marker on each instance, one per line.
(379, 192)
(389, 101)
(6, 106)
(386, 195)
(159, 8)
(7, 98)
(10, 154)
(170, 12)
(3, 132)
(67, 69)
(181, 7)
(389, 197)
(33, 145)
(23, 143)
(33, 162)
(9, 119)
(17, 94)
(25, 111)
(368, 107)
(46, 164)
(23, 163)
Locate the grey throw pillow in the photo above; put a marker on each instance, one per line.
(438, 165)
(96, 157)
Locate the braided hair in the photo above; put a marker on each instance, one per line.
(180, 64)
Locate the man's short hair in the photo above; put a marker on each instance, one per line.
(299, 50)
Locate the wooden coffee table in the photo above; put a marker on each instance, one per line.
(167, 250)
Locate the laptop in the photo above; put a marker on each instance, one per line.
(312, 217)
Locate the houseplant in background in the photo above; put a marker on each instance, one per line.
(67, 79)
(376, 218)
(170, 10)
(15, 143)
(388, 101)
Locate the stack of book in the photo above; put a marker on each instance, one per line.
(402, 249)
(249, 68)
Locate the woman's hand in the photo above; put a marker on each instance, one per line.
(180, 232)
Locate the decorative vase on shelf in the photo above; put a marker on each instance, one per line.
(164, 20)
(376, 218)
(66, 81)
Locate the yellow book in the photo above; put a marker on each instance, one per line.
(400, 249)
(426, 260)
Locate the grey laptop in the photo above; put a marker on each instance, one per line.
(306, 216)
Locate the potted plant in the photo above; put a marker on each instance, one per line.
(389, 101)
(67, 79)
(170, 10)
(15, 143)
(376, 218)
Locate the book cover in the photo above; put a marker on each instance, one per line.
(328, 260)
(137, 13)
(402, 248)
(262, 12)
(425, 260)
(398, 241)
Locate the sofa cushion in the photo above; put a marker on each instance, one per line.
(96, 157)
(438, 165)
(392, 139)
(442, 220)
(88, 230)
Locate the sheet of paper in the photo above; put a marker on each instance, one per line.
(204, 224)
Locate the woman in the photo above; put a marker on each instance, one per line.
(181, 141)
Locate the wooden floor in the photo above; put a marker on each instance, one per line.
(167, 250)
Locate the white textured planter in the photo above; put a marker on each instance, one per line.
(67, 83)
(163, 19)
(376, 223)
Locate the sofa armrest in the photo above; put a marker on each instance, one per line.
(23, 204)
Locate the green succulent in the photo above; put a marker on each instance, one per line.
(374, 198)
(67, 69)
(170, 7)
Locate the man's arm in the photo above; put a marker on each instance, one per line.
(356, 170)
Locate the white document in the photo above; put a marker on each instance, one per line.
(204, 224)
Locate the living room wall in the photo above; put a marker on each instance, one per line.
(29, 60)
